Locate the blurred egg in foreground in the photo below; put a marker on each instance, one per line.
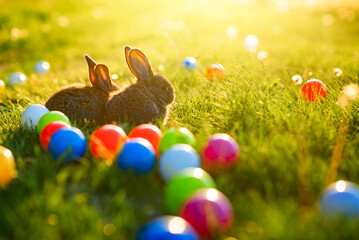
(2, 86)
(167, 228)
(340, 200)
(7, 166)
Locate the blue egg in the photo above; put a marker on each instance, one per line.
(177, 158)
(16, 78)
(167, 228)
(340, 200)
(42, 67)
(190, 63)
(137, 154)
(68, 144)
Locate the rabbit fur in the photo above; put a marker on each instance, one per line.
(144, 101)
(81, 102)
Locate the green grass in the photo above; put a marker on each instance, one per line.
(286, 144)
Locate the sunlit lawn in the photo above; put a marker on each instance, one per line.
(286, 144)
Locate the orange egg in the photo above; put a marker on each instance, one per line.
(149, 132)
(215, 71)
(7, 166)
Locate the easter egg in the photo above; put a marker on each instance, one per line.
(190, 63)
(138, 155)
(221, 151)
(50, 117)
(107, 141)
(167, 228)
(177, 158)
(313, 90)
(149, 132)
(49, 130)
(68, 144)
(340, 200)
(2, 86)
(209, 212)
(16, 78)
(42, 67)
(215, 71)
(175, 136)
(183, 185)
(32, 114)
(7, 166)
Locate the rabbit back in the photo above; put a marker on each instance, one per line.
(134, 104)
(79, 102)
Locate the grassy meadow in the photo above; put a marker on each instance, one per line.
(286, 144)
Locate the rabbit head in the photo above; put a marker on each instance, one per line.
(156, 84)
(99, 76)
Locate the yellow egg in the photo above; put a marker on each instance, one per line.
(2, 86)
(7, 166)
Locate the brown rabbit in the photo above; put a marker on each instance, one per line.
(79, 101)
(144, 101)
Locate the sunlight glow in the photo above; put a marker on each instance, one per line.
(337, 72)
(212, 194)
(251, 43)
(198, 173)
(7, 153)
(262, 55)
(351, 91)
(176, 225)
(341, 186)
(231, 31)
(297, 79)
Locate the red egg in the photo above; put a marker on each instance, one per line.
(149, 132)
(49, 130)
(209, 212)
(314, 89)
(221, 151)
(107, 141)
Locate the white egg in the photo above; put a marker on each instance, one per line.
(42, 67)
(16, 78)
(32, 114)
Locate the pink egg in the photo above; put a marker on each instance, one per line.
(221, 151)
(209, 212)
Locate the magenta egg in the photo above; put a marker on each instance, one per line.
(209, 212)
(221, 151)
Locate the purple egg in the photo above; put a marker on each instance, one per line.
(209, 212)
(221, 151)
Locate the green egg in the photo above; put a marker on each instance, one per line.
(183, 185)
(50, 117)
(175, 136)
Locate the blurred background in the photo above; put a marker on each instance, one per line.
(298, 33)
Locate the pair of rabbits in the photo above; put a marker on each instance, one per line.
(103, 102)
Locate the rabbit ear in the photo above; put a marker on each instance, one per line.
(127, 53)
(103, 80)
(139, 65)
(92, 64)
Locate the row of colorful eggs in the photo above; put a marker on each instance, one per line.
(188, 187)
